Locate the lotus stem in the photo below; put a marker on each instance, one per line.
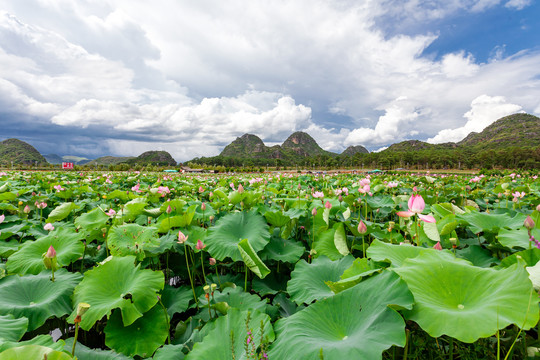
(202, 266)
(166, 318)
(189, 274)
(75, 339)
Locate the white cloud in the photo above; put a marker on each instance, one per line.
(518, 4)
(485, 110)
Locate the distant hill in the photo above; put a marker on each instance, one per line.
(19, 152)
(302, 144)
(57, 159)
(247, 145)
(110, 160)
(351, 150)
(160, 158)
(514, 130)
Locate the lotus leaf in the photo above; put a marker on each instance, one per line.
(252, 261)
(308, 281)
(132, 239)
(223, 238)
(358, 323)
(478, 256)
(517, 238)
(61, 212)
(237, 298)
(216, 345)
(33, 352)
(29, 258)
(92, 222)
(36, 297)
(11, 328)
(455, 298)
(324, 245)
(85, 353)
(43, 340)
(396, 254)
(142, 337)
(280, 249)
(169, 352)
(117, 283)
(490, 222)
(176, 300)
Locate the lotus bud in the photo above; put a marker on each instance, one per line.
(203, 206)
(200, 245)
(181, 237)
(328, 205)
(362, 228)
(240, 188)
(48, 227)
(437, 246)
(314, 211)
(212, 261)
(169, 209)
(529, 223)
(82, 308)
(26, 209)
(51, 253)
(538, 207)
(201, 189)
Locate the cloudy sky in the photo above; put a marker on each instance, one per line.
(119, 77)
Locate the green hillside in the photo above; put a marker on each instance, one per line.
(19, 152)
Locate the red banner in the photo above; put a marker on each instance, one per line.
(67, 165)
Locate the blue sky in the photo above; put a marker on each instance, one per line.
(119, 77)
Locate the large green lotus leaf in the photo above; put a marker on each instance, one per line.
(237, 298)
(223, 238)
(27, 352)
(216, 345)
(132, 239)
(92, 222)
(29, 258)
(455, 298)
(324, 245)
(276, 218)
(517, 238)
(8, 247)
(176, 300)
(117, 283)
(83, 352)
(43, 340)
(252, 260)
(61, 212)
(489, 222)
(340, 239)
(131, 210)
(11, 328)
(478, 256)
(529, 256)
(360, 269)
(395, 254)
(280, 249)
(358, 323)
(9, 231)
(308, 281)
(169, 352)
(142, 337)
(36, 297)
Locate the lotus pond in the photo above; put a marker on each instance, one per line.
(274, 266)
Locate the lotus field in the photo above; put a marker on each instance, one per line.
(273, 266)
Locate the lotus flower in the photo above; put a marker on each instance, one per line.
(437, 246)
(328, 205)
(200, 245)
(2, 217)
(110, 213)
(416, 206)
(203, 206)
(362, 228)
(181, 237)
(48, 227)
(529, 223)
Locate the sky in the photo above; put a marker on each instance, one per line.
(120, 77)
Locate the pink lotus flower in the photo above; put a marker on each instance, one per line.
(318, 194)
(110, 213)
(136, 188)
(181, 237)
(212, 261)
(364, 189)
(2, 218)
(203, 206)
(240, 188)
(201, 189)
(328, 205)
(200, 245)
(437, 246)
(51, 253)
(26, 209)
(362, 228)
(48, 227)
(58, 188)
(314, 211)
(416, 206)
